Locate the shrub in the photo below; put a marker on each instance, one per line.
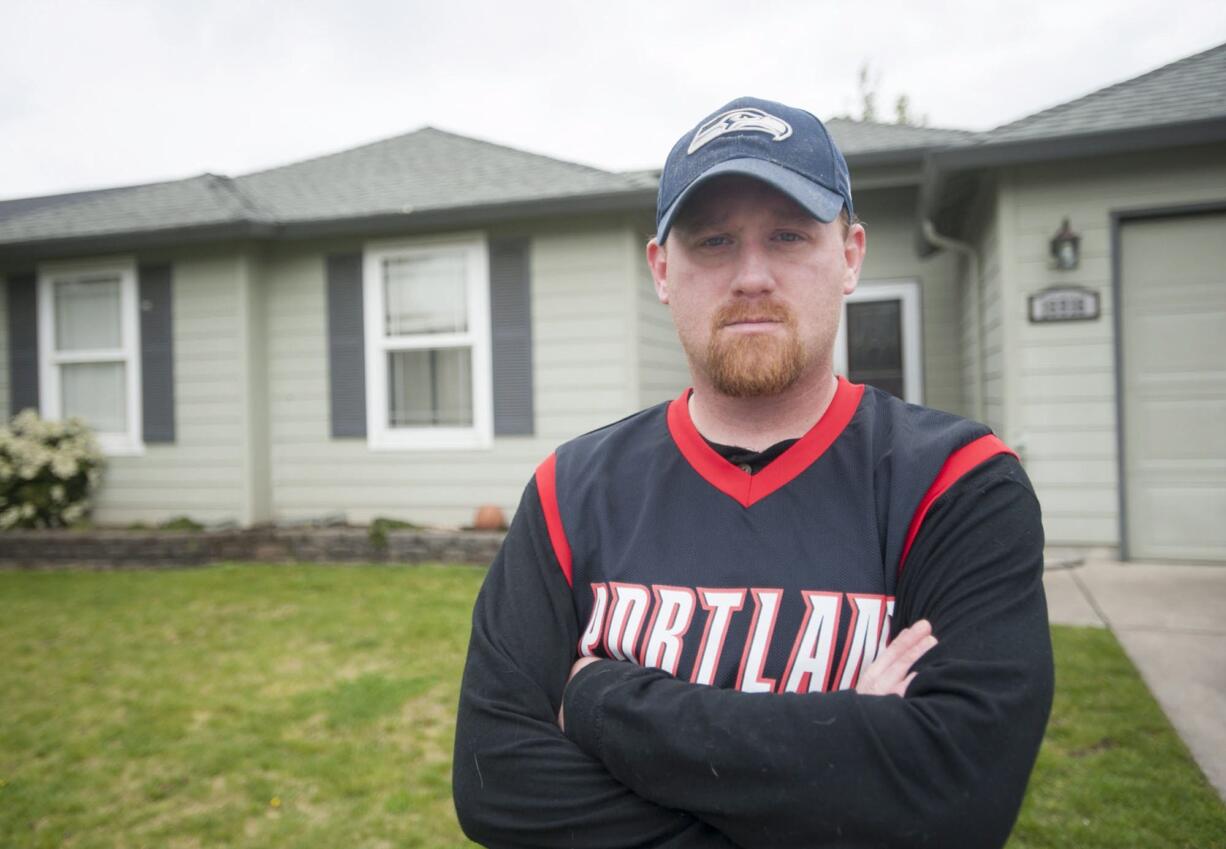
(381, 525)
(48, 470)
(180, 523)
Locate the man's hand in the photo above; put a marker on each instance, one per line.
(574, 670)
(890, 673)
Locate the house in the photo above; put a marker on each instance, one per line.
(1120, 415)
(260, 348)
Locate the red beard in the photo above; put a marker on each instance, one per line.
(749, 365)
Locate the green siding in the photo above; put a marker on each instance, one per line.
(1064, 385)
(580, 323)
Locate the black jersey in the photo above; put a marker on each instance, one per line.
(782, 581)
(641, 544)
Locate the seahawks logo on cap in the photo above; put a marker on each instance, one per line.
(738, 121)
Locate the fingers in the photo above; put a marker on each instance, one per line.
(890, 673)
(917, 644)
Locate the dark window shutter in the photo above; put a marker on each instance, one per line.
(23, 341)
(157, 353)
(511, 325)
(346, 345)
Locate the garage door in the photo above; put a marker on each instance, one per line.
(1173, 351)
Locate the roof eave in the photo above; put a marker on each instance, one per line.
(900, 156)
(639, 199)
(469, 216)
(133, 240)
(1124, 140)
(940, 165)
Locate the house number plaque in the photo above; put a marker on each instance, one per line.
(1064, 304)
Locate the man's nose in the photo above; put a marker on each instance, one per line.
(753, 271)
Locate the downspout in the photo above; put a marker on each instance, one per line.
(972, 257)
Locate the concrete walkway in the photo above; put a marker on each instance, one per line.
(1171, 621)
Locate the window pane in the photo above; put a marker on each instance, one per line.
(96, 392)
(874, 344)
(425, 294)
(87, 314)
(430, 387)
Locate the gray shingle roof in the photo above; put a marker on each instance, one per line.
(859, 137)
(1190, 89)
(427, 169)
(196, 201)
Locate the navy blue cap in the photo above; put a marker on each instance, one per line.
(785, 147)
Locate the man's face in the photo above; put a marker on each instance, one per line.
(756, 286)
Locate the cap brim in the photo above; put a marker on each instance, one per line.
(818, 201)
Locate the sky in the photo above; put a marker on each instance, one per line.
(98, 93)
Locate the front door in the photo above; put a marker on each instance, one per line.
(879, 338)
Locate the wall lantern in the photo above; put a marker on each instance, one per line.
(1066, 247)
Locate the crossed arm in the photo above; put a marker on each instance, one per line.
(647, 760)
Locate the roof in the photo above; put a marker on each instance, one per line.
(207, 200)
(421, 173)
(1191, 89)
(856, 138)
(422, 170)
(1180, 104)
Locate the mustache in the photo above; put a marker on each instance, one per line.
(735, 313)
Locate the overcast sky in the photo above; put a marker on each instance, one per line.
(109, 92)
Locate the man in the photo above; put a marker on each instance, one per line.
(686, 638)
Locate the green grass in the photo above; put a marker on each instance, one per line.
(1112, 773)
(312, 706)
(254, 706)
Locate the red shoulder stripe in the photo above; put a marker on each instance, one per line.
(547, 488)
(958, 464)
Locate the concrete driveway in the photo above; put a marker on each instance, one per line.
(1171, 621)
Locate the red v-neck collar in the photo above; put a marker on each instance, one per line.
(742, 487)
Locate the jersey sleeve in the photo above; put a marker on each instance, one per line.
(517, 780)
(945, 766)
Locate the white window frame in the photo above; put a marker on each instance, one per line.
(379, 435)
(129, 442)
(908, 292)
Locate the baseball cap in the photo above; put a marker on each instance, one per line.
(785, 147)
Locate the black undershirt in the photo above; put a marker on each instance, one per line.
(750, 461)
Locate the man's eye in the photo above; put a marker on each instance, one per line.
(789, 237)
(713, 241)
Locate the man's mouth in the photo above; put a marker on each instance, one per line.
(751, 322)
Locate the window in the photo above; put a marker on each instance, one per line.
(879, 338)
(88, 338)
(427, 344)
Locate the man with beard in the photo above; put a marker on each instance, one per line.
(781, 610)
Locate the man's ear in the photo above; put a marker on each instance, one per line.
(855, 246)
(657, 261)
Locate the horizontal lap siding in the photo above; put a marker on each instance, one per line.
(580, 323)
(1066, 372)
(993, 338)
(971, 284)
(662, 369)
(889, 219)
(200, 474)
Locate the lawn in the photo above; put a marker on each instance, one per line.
(312, 706)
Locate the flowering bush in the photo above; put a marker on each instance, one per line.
(47, 471)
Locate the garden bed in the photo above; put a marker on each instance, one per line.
(116, 548)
